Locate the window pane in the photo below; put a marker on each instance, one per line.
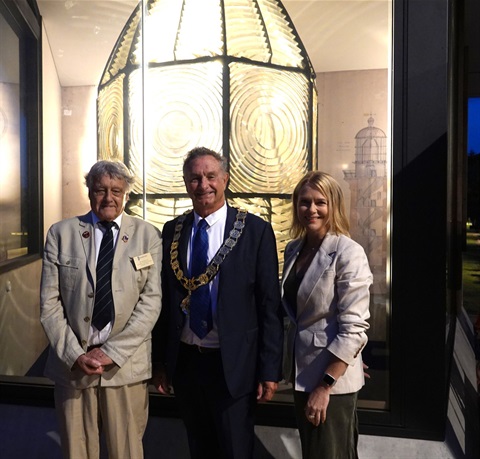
(13, 233)
(354, 146)
(349, 46)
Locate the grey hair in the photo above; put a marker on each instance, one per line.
(198, 152)
(114, 169)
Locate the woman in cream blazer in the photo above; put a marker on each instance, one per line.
(325, 293)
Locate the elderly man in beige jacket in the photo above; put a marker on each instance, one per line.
(101, 368)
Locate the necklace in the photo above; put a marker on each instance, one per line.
(305, 257)
(313, 248)
(211, 270)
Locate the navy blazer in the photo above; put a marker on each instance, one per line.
(249, 313)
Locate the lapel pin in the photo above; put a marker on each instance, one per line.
(125, 238)
(86, 234)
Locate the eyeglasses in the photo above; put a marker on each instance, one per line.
(101, 192)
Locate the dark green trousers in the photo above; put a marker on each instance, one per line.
(337, 438)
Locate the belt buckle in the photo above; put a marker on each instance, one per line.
(201, 350)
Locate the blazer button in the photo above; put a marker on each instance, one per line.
(90, 295)
(86, 319)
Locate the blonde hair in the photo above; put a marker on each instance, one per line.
(324, 183)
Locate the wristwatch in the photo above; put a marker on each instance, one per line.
(329, 380)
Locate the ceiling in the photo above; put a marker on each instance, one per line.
(338, 35)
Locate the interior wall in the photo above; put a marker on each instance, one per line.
(52, 138)
(346, 100)
(79, 146)
(69, 143)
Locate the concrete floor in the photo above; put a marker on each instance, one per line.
(28, 432)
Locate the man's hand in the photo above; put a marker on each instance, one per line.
(265, 391)
(159, 380)
(100, 356)
(90, 366)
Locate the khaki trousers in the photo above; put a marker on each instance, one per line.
(121, 413)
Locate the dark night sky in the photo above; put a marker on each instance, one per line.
(474, 125)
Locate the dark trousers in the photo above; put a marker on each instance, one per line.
(337, 438)
(218, 425)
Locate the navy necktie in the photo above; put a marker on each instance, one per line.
(200, 307)
(103, 309)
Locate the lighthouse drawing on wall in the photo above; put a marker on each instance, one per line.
(369, 211)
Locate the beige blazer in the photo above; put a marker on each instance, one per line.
(67, 298)
(332, 313)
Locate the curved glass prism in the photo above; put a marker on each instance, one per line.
(230, 75)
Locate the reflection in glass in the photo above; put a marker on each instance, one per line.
(368, 211)
(22, 339)
(229, 75)
(13, 234)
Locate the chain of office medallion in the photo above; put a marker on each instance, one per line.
(193, 283)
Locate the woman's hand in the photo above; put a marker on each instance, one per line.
(316, 407)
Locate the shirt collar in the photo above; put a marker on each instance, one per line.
(213, 217)
(118, 220)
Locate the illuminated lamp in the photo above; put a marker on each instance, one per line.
(230, 75)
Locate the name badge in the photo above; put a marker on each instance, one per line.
(143, 261)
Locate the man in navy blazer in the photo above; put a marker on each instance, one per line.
(218, 378)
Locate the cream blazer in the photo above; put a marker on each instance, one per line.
(67, 298)
(332, 313)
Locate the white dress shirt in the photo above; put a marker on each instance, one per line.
(100, 336)
(215, 231)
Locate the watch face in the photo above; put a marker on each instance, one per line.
(329, 380)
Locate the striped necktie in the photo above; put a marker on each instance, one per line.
(103, 309)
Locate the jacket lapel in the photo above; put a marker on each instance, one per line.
(227, 270)
(289, 260)
(183, 242)
(87, 236)
(125, 234)
(320, 263)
